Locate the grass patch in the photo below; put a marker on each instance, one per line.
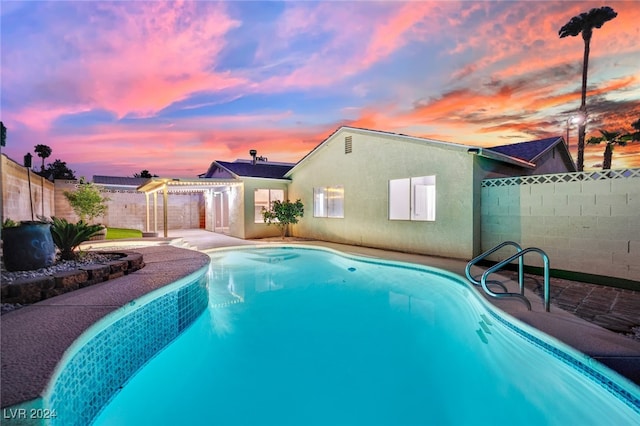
(120, 233)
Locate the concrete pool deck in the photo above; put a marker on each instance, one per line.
(35, 338)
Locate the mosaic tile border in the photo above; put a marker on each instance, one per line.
(618, 391)
(562, 177)
(106, 359)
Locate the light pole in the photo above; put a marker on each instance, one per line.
(575, 119)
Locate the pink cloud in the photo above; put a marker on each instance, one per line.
(149, 55)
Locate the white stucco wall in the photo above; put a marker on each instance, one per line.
(590, 226)
(259, 230)
(365, 175)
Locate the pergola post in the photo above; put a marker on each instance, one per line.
(165, 199)
(146, 199)
(155, 212)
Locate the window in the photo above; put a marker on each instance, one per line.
(413, 199)
(263, 198)
(328, 201)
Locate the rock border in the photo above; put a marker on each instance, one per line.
(31, 290)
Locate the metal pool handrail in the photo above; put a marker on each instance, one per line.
(521, 296)
(491, 251)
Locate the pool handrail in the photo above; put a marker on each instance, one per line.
(478, 258)
(519, 255)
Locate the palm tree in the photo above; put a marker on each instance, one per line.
(585, 23)
(611, 139)
(43, 152)
(636, 126)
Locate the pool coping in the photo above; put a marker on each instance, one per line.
(35, 338)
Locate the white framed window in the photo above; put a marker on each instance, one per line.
(328, 201)
(263, 198)
(413, 199)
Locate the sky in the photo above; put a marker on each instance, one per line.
(119, 87)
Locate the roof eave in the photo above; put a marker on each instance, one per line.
(158, 184)
(487, 153)
(282, 179)
(378, 133)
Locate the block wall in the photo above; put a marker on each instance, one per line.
(127, 209)
(25, 195)
(585, 222)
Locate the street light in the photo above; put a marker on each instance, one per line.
(575, 119)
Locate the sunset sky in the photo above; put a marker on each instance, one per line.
(117, 87)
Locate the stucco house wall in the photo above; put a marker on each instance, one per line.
(252, 229)
(365, 175)
(236, 211)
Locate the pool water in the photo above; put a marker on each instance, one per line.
(298, 336)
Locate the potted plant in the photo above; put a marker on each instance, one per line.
(28, 245)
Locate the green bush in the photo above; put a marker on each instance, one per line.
(8, 223)
(68, 236)
(283, 213)
(87, 201)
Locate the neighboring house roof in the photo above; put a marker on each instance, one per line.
(246, 168)
(528, 151)
(118, 180)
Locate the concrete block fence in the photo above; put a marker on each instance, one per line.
(586, 222)
(25, 195)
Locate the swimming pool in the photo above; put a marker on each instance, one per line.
(309, 336)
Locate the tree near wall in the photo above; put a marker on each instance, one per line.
(611, 139)
(636, 127)
(43, 152)
(59, 170)
(144, 174)
(585, 23)
(87, 201)
(283, 213)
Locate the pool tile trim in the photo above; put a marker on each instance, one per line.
(110, 352)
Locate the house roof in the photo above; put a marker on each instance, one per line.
(246, 168)
(528, 151)
(484, 152)
(118, 180)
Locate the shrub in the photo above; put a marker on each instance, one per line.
(68, 236)
(283, 213)
(8, 223)
(86, 201)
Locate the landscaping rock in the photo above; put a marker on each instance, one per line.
(26, 287)
(70, 280)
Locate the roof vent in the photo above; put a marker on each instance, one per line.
(255, 159)
(348, 144)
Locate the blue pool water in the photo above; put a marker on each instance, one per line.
(297, 336)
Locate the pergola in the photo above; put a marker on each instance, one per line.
(167, 186)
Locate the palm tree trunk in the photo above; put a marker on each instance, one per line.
(586, 36)
(608, 154)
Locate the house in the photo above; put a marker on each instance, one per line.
(406, 193)
(232, 195)
(366, 187)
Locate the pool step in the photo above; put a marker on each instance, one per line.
(182, 243)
